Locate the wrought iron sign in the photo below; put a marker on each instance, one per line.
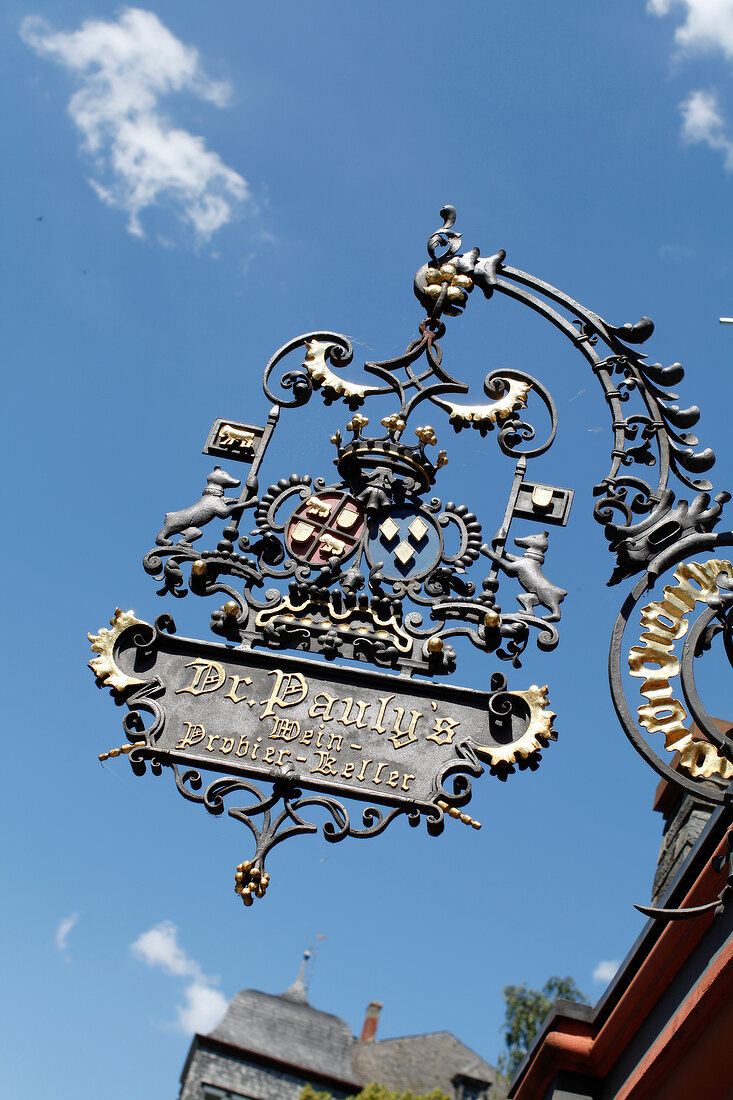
(373, 569)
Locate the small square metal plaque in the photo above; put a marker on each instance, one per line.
(232, 440)
(545, 503)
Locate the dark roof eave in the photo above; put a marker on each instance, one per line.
(220, 1046)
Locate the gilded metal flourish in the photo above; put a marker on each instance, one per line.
(103, 642)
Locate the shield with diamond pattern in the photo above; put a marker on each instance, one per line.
(407, 540)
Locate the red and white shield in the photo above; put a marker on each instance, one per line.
(326, 525)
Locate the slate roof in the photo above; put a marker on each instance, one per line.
(419, 1062)
(289, 1029)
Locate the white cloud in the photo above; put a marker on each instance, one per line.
(64, 928)
(204, 1004)
(707, 28)
(159, 946)
(141, 159)
(703, 122)
(203, 1009)
(708, 24)
(605, 970)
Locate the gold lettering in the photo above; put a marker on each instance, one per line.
(383, 700)
(255, 748)
(393, 779)
(380, 769)
(405, 778)
(348, 770)
(666, 715)
(226, 746)
(404, 737)
(654, 652)
(443, 730)
(307, 737)
(284, 730)
(346, 718)
(319, 738)
(325, 765)
(243, 744)
(192, 736)
(333, 738)
(207, 676)
(702, 760)
(364, 765)
(280, 754)
(663, 623)
(294, 685)
(212, 738)
(270, 754)
(322, 709)
(232, 693)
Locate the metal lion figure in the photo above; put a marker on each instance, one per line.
(188, 521)
(528, 571)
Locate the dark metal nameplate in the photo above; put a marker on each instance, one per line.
(362, 734)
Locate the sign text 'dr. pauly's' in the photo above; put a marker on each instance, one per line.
(368, 734)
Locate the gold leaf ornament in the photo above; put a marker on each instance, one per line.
(319, 370)
(104, 666)
(539, 730)
(457, 286)
(514, 399)
(426, 435)
(393, 423)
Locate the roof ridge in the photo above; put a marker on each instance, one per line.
(420, 1035)
(288, 1000)
(477, 1059)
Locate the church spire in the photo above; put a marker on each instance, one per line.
(298, 991)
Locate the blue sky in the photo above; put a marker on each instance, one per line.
(187, 187)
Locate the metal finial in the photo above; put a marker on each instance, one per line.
(298, 991)
(445, 237)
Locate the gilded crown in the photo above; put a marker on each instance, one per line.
(363, 457)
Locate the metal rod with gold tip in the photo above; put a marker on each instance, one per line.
(453, 811)
(123, 749)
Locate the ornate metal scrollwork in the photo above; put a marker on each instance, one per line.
(251, 879)
(372, 532)
(372, 568)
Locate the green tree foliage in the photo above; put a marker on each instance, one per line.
(525, 1011)
(374, 1092)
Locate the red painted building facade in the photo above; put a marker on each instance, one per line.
(663, 1030)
